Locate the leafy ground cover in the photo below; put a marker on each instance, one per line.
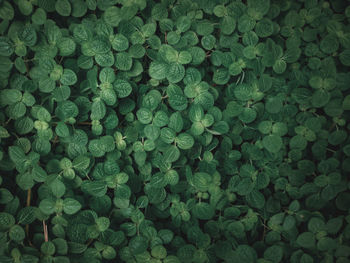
(174, 131)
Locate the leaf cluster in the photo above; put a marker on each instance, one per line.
(174, 131)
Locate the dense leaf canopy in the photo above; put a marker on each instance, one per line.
(174, 131)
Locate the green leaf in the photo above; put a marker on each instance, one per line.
(342, 201)
(5, 196)
(201, 181)
(228, 25)
(47, 85)
(122, 178)
(196, 113)
(175, 72)
(61, 93)
(274, 105)
(81, 163)
(94, 188)
(123, 61)
(99, 45)
(256, 199)
(316, 225)
(329, 44)
(63, 7)
(122, 192)
(138, 245)
(123, 88)
(159, 252)
(247, 115)
(345, 57)
(68, 77)
(320, 98)
(272, 143)
(144, 115)
(185, 57)
(66, 46)
(10, 96)
(171, 154)
(58, 188)
(6, 221)
(152, 132)
(152, 99)
(184, 141)
(48, 248)
(47, 206)
(158, 70)
(98, 110)
(105, 60)
(176, 122)
(71, 206)
(245, 187)
(280, 66)
(108, 96)
(160, 119)
(119, 42)
(235, 69)
(220, 10)
(306, 240)
(289, 223)
(102, 223)
(167, 135)
(176, 98)
(39, 174)
(264, 28)
(220, 128)
(6, 11)
(6, 47)
(326, 244)
(337, 137)
(28, 35)
(112, 16)
(203, 211)
(274, 253)
(26, 215)
(346, 103)
(16, 233)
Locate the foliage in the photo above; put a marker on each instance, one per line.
(174, 131)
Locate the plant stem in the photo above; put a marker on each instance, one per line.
(29, 194)
(46, 234)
